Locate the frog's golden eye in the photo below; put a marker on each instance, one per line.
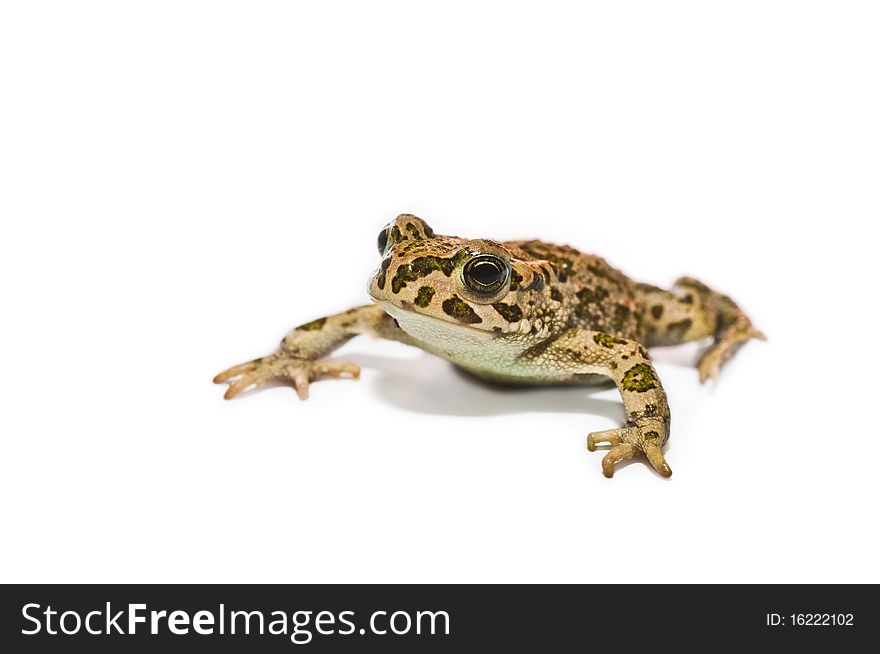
(486, 273)
(383, 240)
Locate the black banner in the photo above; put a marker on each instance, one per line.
(421, 618)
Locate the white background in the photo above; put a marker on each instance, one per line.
(182, 182)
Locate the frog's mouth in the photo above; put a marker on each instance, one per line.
(429, 328)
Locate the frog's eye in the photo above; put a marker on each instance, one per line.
(486, 273)
(383, 240)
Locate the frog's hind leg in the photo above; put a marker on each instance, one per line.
(692, 311)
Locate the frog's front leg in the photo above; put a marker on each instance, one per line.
(647, 412)
(628, 364)
(299, 359)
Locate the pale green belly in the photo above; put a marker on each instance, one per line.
(485, 354)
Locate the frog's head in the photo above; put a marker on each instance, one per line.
(478, 284)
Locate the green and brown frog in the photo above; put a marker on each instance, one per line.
(520, 312)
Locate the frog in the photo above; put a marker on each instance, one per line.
(524, 312)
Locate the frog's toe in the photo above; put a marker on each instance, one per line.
(302, 374)
(335, 369)
(656, 459)
(299, 377)
(255, 377)
(610, 437)
(620, 447)
(615, 455)
(236, 371)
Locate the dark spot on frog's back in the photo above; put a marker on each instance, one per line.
(680, 328)
(510, 312)
(588, 302)
(588, 295)
(424, 296)
(657, 311)
(561, 266)
(604, 271)
(555, 295)
(460, 310)
(312, 326)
